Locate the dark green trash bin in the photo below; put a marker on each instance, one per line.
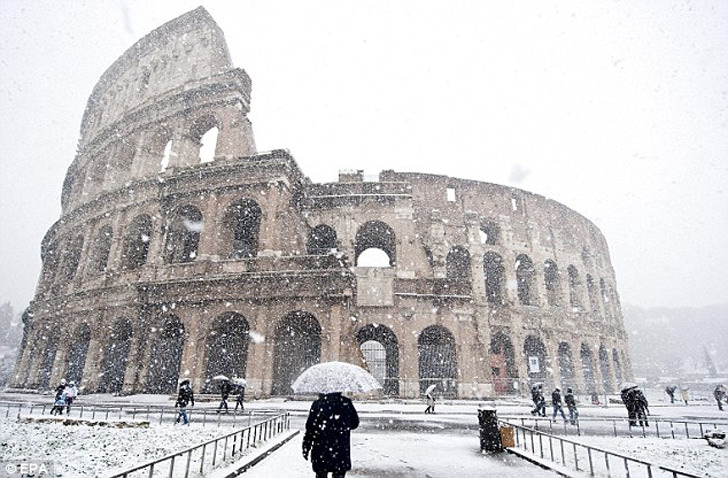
(490, 438)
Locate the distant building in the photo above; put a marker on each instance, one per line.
(173, 261)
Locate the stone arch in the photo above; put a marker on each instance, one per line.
(376, 235)
(503, 363)
(321, 240)
(48, 359)
(604, 369)
(587, 366)
(458, 263)
(494, 277)
(102, 248)
(158, 148)
(591, 289)
(79, 343)
(389, 361)
(71, 258)
(552, 281)
(113, 366)
(226, 347)
(165, 355)
(535, 352)
(437, 360)
(525, 274)
(296, 346)
(204, 133)
(617, 366)
(574, 287)
(51, 257)
(183, 234)
(136, 242)
(566, 365)
(242, 220)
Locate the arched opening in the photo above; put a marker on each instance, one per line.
(321, 240)
(183, 234)
(437, 361)
(376, 235)
(566, 366)
(591, 289)
(166, 156)
(383, 358)
(208, 144)
(115, 358)
(494, 277)
(204, 132)
(165, 356)
(552, 283)
(604, 369)
(48, 359)
(587, 366)
(503, 364)
(574, 284)
(226, 348)
(535, 352)
(617, 366)
(242, 219)
(458, 263)
(77, 353)
(136, 243)
(524, 278)
(71, 258)
(102, 248)
(297, 346)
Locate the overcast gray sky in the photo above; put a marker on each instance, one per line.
(617, 109)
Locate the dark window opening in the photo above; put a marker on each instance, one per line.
(553, 283)
(494, 277)
(376, 235)
(458, 263)
(388, 341)
(226, 349)
(297, 346)
(183, 235)
(321, 240)
(136, 244)
(525, 278)
(165, 356)
(115, 358)
(437, 361)
(243, 220)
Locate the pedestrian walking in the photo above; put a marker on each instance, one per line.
(71, 394)
(641, 407)
(430, 403)
(720, 394)
(185, 398)
(556, 403)
(630, 402)
(328, 435)
(685, 393)
(240, 392)
(225, 389)
(539, 401)
(59, 403)
(670, 391)
(571, 405)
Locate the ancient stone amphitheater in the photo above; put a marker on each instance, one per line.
(181, 251)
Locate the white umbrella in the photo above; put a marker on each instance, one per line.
(239, 381)
(332, 377)
(220, 377)
(628, 385)
(430, 389)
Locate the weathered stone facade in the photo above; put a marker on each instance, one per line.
(165, 265)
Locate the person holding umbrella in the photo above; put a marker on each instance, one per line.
(225, 389)
(430, 399)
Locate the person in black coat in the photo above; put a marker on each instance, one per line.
(630, 402)
(327, 436)
(571, 405)
(641, 407)
(556, 403)
(225, 389)
(185, 397)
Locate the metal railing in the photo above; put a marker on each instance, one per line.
(658, 427)
(152, 414)
(199, 459)
(586, 458)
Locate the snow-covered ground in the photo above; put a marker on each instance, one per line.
(395, 439)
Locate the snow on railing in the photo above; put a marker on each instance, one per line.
(584, 458)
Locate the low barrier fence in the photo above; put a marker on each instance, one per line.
(152, 414)
(199, 459)
(586, 458)
(618, 427)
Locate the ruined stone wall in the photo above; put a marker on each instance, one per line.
(240, 265)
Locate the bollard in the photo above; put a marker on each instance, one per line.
(490, 439)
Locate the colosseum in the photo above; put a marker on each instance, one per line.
(183, 252)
